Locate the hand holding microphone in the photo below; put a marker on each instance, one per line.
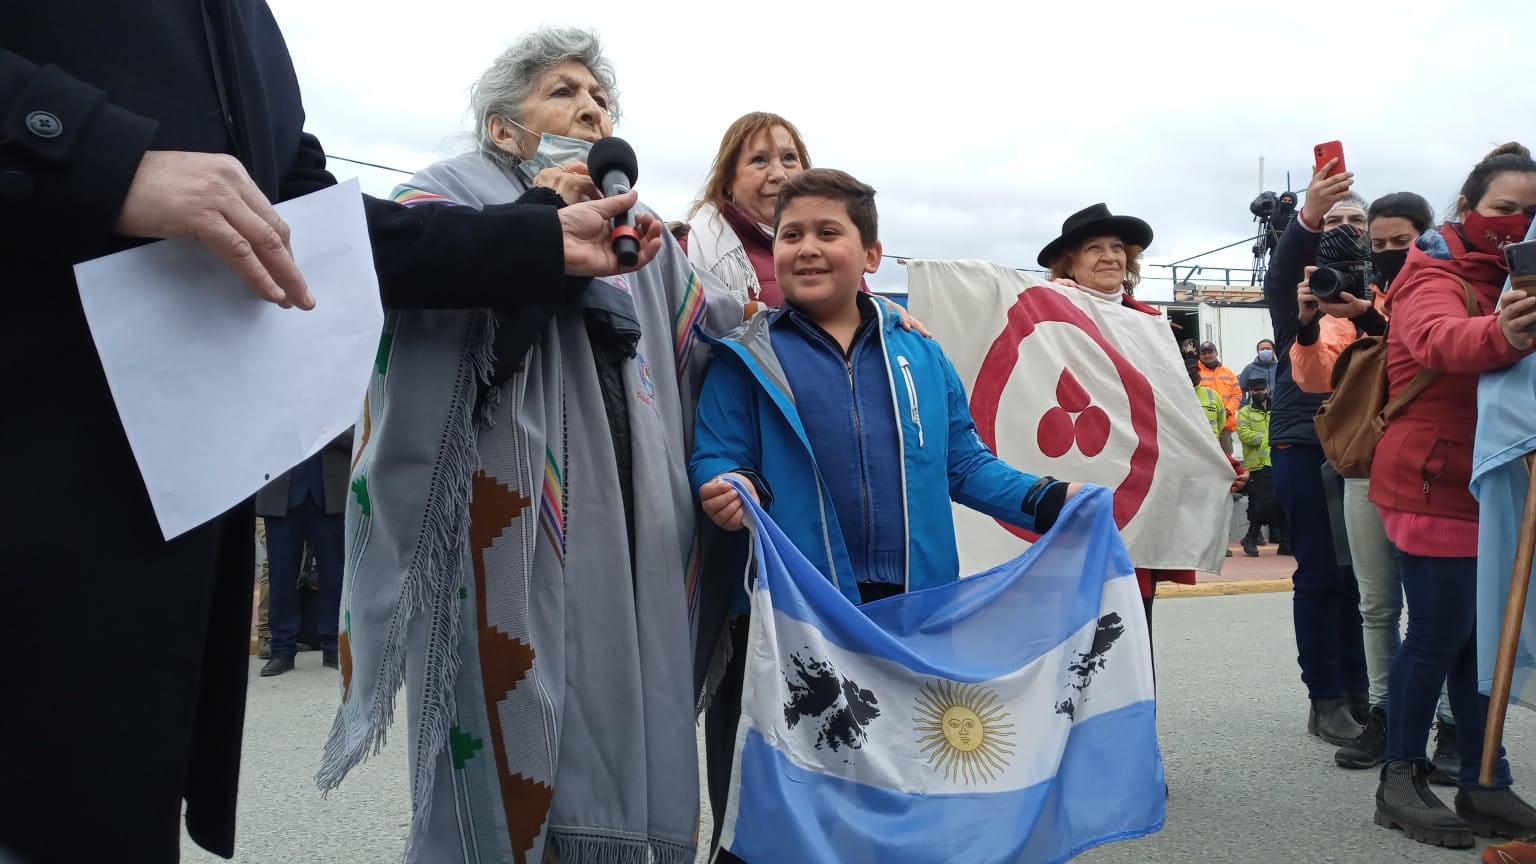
(614, 168)
(604, 237)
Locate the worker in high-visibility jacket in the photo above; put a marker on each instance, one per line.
(1215, 407)
(1224, 382)
(1253, 431)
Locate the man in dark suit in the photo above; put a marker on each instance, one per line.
(306, 505)
(120, 122)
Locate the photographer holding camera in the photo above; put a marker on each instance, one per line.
(1352, 304)
(1326, 601)
(1340, 284)
(1393, 222)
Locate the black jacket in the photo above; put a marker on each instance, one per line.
(1292, 409)
(336, 474)
(126, 655)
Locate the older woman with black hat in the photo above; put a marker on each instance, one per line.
(1100, 254)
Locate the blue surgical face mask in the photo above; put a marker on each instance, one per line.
(1266, 355)
(554, 151)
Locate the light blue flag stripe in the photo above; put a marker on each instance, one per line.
(980, 628)
(1506, 431)
(803, 815)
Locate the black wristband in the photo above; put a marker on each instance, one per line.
(764, 493)
(1048, 506)
(541, 195)
(1307, 334)
(1371, 322)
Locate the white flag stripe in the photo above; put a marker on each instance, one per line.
(1182, 520)
(1019, 732)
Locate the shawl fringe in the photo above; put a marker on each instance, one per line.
(714, 247)
(431, 585)
(720, 657)
(585, 848)
(719, 661)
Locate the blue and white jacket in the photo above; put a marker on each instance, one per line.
(747, 420)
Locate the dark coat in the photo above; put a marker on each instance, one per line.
(125, 657)
(1254, 371)
(335, 472)
(1291, 408)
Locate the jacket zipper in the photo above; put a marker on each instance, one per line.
(1423, 469)
(858, 437)
(917, 418)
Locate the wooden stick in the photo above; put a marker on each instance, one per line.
(1509, 639)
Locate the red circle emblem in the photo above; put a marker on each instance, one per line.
(1058, 432)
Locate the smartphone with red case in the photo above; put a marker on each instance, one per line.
(1326, 151)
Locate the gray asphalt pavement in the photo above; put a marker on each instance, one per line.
(1248, 784)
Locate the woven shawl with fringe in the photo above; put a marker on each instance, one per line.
(548, 672)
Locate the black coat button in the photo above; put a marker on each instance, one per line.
(44, 125)
(15, 186)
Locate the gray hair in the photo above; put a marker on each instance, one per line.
(1352, 200)
(501, 89)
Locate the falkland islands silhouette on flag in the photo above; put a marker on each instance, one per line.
(1007, 717)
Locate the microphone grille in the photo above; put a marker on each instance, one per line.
(613, 154)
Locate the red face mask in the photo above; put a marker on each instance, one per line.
(1493, 233)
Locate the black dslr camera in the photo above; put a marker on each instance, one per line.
(1329, 282)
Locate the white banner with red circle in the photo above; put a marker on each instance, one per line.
(1063, 383)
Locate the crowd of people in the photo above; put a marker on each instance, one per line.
(1406, 529)
(552, 443)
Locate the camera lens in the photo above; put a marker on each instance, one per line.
(1263, 206)
(1327, 283)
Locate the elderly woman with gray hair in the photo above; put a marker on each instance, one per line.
(522, 547)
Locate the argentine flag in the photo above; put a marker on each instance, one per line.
(1008, 717)
(1506, 431)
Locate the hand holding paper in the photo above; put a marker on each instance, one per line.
(210, 198)
(219, 392)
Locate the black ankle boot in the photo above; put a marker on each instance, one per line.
(1496, 813)
(1403, 801)
(1331, 721)
(1360, 707)
(277, 666)
(1446, 762)
(1368, 750)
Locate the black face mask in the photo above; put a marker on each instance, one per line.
(1342, 246)
(1211, 364)
(1387, 264)
(1260, 400)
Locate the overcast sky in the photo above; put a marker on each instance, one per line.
(981, 126)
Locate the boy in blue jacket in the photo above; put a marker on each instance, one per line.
(853, 433)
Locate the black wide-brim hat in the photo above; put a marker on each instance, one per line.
(1095, 221)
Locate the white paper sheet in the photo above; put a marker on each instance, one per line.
(218, 390)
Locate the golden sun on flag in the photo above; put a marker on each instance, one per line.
(964, 731)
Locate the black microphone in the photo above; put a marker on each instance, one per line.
(613, 166)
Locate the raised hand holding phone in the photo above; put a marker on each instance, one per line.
(1522, 271)
(1330, 185)
(1326, 152)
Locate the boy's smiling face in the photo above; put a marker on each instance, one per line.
(818, 254)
